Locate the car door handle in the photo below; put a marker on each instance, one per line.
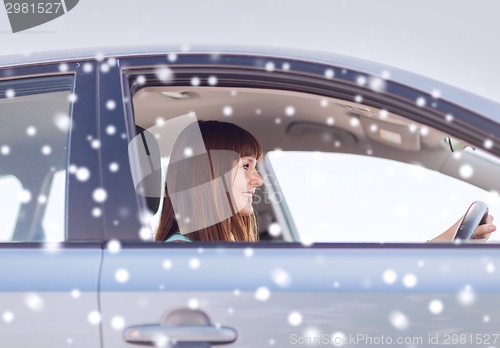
(157, 335)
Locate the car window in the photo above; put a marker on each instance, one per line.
(334, 170)
(34, 129)
(336, 197)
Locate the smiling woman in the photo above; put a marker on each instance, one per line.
(211, 179)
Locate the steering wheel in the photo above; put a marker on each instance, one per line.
(476, 215)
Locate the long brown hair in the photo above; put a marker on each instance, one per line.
(201, 167)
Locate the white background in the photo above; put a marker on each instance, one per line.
(454, 41)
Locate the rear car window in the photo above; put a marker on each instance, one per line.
(35, 122)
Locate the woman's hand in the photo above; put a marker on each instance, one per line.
(481, 233)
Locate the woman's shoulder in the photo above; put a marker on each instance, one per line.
(178, 237)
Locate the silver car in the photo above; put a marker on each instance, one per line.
(363, 164)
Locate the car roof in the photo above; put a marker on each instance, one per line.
(467, 100)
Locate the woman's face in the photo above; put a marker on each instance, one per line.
(246, 180)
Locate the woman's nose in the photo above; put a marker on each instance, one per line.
(256, 180)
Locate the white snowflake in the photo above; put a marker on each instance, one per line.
(8, 316)
(290, 111)
(227, 111)
(141, 79)
(421, 102)
(193, 303)
(110, 105)
(122, 275)
(105, 68)
(410, 280)
(87, 68)
(96, 212)
(488, 144)
(145, 233)
(34, 302)
(262, 294)
(164, 74)
(194, 263)
(377, 84)
(99, 56)
(63, 67)
(212, 80)
(72, 98)
(46, 150)
(386, 74)
(42, 199)
(436, 306)
(338, 339)
(5, 150)
(295, 318)
(329, 73)
(10, 93)
(82, 174)
(117, 322)
(436, 93)
(62, 122)
(25, 196)
(167, 264)
(490, 267)
(195, 81)
(75, 293)
(99, 195)
(466, 296)
(399, 320)
(113, 246)
(270, 66)
(95, 144)
(94, 317)
(248, 252)
(113, 167)
(172, 57)
(110, 130)
(466, 171)
(361, 80)
(31, 131)
(389, 276)
(281, 277)
(274, 229)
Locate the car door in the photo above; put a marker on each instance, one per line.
(283, 294)
(49, 250)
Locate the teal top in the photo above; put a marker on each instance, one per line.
(178, 236)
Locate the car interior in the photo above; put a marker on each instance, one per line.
(294, 121)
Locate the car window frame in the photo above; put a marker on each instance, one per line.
(78, 226)
(247, 71)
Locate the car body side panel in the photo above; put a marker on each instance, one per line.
(281, 296)
(47, 296)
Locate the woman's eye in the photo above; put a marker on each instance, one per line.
(245, 166)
